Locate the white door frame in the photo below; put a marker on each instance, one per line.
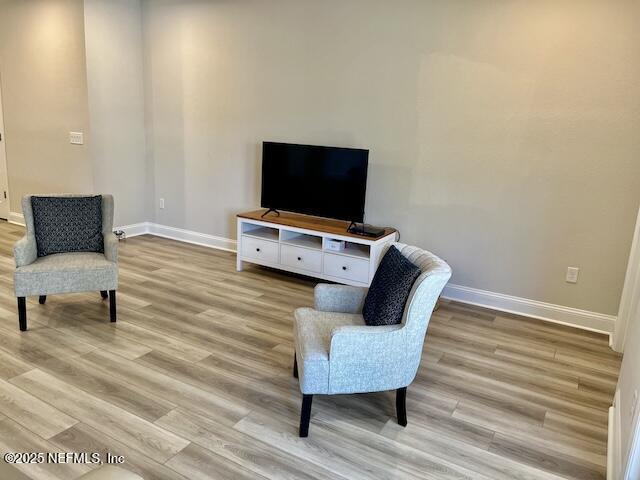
(632, 471)
(630, 311)
(5, 208)
(630, 300)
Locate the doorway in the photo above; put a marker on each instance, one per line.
(4, 176)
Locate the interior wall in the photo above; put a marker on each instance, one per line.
(628, 384)
(44, 94)
(116, 105)
(502, 134)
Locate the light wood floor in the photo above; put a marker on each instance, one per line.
(194, 382)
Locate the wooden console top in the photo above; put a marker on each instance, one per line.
(318, 224)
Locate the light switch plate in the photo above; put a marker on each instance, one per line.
(572, 274)
(76, 138)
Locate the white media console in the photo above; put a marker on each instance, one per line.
(299, 243)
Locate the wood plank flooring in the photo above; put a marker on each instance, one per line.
(194, 382)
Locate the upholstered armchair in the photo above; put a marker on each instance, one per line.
(80, 271)
(336, 353)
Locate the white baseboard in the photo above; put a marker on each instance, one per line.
(150, 228)
(574, 317)
(190, 236)
(614, 457)
(135, 229)
(180, 234)
(16, 218)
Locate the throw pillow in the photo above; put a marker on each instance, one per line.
(67, 224)
(389, 290)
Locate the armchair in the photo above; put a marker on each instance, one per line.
(65, 272)
(336, 353)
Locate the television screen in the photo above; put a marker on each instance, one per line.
(323, 181)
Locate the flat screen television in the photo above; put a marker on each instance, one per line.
(323, 181)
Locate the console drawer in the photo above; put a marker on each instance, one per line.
(264, 250)
(299, 257)
(349, 268)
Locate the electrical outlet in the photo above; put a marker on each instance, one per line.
(76, 138)
(162, 204)
(572, 274)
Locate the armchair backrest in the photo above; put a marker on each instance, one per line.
(424, 294)
(370, 359)
(107, 211)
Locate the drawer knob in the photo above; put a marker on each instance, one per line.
(257, 249)
(299, 258)
(344, 268)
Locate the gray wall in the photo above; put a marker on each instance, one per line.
(116, 106)
(44, 96)
(56, 79)
(503, 134)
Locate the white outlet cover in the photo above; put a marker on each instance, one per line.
(572, 274)
(76, 138)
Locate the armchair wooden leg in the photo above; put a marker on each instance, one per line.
(112, 305)
(401, 406)
(295, 366)
(104, 294)
(305, 415)
(42, 299)
(22, 313)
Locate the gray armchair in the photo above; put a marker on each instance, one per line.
(337, 353)
(65, 272)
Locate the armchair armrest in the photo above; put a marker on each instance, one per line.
(371, 359)
(339, 298)
(25, 251)
(367, 342)
(111, 247)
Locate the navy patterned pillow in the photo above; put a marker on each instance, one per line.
(68, 224)
(389, 290)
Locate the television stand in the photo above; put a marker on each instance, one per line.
(269, 211)
(300, 244)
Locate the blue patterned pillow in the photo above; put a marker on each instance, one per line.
(68, 224)
(389, 290)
